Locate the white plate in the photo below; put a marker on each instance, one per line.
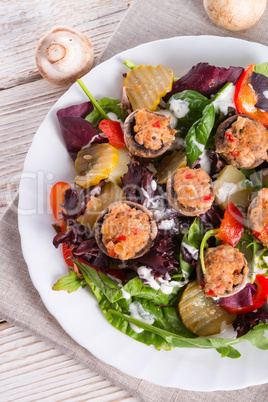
(48, 162)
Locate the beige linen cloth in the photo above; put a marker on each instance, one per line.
(20, 304)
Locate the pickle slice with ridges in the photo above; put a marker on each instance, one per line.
(121, 167)
(170, 164)
(110, 192)
(146, 85)
(200, 314)
(95, 163)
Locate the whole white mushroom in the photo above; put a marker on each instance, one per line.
(235, 15)
(63, 55)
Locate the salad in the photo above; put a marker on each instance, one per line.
(166, 220)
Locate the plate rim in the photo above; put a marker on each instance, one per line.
(20, 220)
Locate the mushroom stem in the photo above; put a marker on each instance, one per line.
(55, 52)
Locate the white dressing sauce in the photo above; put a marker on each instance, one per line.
(137, 311)
(167, 224)
(153, 185)
(192, 250)
(125, 294)
(159, 215)
(145, 274)
(167, 113)
(165, 284)
(265, 94)
(201, 147)
(179, 107)
(225, 100)
(114, 117)
(93, 139)
(205, 162)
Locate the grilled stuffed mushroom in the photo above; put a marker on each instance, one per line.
(190, 191)
(242, 142)
(258, 216)
(148, 134)
(226, 271)
(125, 230)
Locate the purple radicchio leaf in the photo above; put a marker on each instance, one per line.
(76, 235)
(240, 299)
(90, 252)
(205, 79)
(76, 131)
(73, 199)
(131, 181)
(260, 85)
(190, 258)
(140, 186)
(160, 257)
(212, 218)
(245, 322)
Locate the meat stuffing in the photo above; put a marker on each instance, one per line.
(193, 189)
(258, 216)
(125, 231)
(244, 144)
(225, 267)
(152, 130)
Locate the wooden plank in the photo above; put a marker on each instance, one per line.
(27, 21)
(22, 110)
(30, 370)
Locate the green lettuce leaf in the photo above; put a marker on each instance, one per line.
(108, 105)
(71, 283)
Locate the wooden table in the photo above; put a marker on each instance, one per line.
(30, 369)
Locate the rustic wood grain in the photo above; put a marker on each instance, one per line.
(30, 370)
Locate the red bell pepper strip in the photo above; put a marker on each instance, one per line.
(113, 131)
(232, 225)
(258, 299)
(245, 98)
(56, 199)
(67, 254)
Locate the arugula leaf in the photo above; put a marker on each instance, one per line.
(108, 105)
(198, 134)
(71, 283)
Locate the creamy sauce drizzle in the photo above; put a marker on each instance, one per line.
(225, 100)
(165, 285)
(179, 108)
(137, 311)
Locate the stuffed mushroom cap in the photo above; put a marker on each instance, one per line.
(226, 271)
(242, 142)
(258, 216)
(190, 191)
(125, 230)
(148, 134)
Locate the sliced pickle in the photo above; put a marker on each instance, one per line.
(121, 167)
(95, 163)
(170, 164)
(200, 314)
(146, 85)
(110, 192)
